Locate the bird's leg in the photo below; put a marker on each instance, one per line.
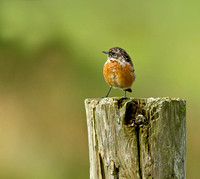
(125, 94)
(108, 92)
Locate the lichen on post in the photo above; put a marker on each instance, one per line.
(136, 138)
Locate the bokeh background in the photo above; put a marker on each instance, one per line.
(51, 60)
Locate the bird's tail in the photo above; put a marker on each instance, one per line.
(129, 90)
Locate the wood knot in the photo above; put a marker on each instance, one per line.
(135, 113)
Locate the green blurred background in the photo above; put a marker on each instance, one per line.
(51, 60)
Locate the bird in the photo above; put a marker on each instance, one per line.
(118, 70)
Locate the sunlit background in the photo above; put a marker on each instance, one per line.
(51, 60)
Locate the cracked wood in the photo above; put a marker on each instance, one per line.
(136, 138)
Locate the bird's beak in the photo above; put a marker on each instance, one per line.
(105, 52)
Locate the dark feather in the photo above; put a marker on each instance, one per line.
(129, 90)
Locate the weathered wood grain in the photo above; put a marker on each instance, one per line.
(136, 138)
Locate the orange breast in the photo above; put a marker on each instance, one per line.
(120, 76)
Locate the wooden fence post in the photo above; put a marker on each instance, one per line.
(136, 138)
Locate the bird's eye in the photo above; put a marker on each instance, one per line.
(113, 53)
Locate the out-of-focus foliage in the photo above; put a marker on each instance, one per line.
(51, 60)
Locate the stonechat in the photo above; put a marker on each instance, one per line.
(118, 70)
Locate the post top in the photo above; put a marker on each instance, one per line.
(148, 100)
